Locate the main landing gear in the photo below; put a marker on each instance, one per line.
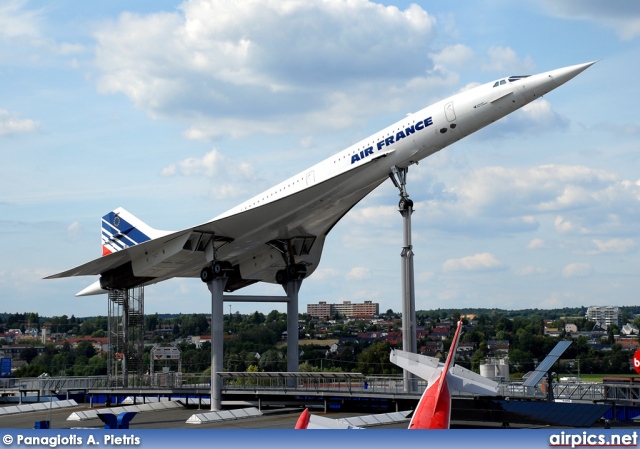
(217, 269)
(291, 273)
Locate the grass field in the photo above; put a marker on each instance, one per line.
(302, 342)
(598, 377)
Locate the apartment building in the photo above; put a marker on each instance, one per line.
(347, 309)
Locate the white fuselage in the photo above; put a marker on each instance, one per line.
(422, 133)
(302, 209)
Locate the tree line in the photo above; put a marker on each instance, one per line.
(255, 341)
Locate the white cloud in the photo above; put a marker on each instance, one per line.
(22, 279)
(623, 16)
(10, 124)
(578, 269)
(454, 56)
(226, 191)
(16, 22)
(359, 273)
(564, 226)
(536, 244)
(209, 165)
(502, 199)
(505, 59)
(615, 246)
(217, 60)
(425, 276)
(477, 262)
(230, 175)
(531, 271)
(380, 214)
(21, 30)
(74, 231)
(323, 274)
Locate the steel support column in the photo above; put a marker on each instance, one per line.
(216, 287)
(292, 288)
(405, 207)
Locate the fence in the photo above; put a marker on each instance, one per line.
(353, 383)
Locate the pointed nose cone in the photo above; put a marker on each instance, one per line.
(536, 86)
(561, 76)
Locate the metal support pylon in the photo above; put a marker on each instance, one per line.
(216, 287)
(292, 288)
(398, 176)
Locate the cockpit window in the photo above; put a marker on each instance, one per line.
(511, 79)
(517, 77)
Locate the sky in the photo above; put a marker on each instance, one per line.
(178, 111)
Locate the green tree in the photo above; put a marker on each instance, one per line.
(375, 360)
(87, 327)
(28, 354)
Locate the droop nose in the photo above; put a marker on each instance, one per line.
(561, 76)
(536, 86)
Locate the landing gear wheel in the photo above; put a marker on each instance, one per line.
(292, 271)
(281, 277)
(206, 275)
(217, 267)
(405, 204)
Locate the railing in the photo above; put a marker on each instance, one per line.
(321, 383)
(622, 393)
(308, 383)
(574, 391)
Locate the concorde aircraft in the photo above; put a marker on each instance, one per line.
(434, 408)
(278, 235)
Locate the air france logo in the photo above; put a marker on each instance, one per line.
(392, 139)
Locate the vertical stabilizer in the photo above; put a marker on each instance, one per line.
(434, 409)
(121, 229)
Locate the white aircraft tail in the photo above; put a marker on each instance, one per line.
(121, 229)
(459, 378)
(434, 408)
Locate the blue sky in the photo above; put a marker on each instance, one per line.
(178, 111)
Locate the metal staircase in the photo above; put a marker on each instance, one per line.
(126, 334)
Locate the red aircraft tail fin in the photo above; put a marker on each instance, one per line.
(303, 420)
(434, 409)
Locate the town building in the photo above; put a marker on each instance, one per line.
(604, 314)
(347, 309)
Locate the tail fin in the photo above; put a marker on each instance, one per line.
(121, 229)
(303, 420)
(434, 409)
